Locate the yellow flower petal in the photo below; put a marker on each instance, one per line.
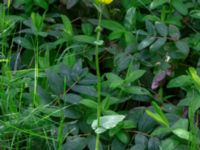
(105, 1)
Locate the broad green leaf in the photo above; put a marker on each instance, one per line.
(24, 42)
(174, 32)
(117, 145)
(180, 6)
(141, 139)
(55, 82)
(156, 3)
(72, 98)
(138, 147)
(150, 27)
(113, 26)
(182, 133)
(84, 39)
(129, 124)
(158, 43)
(183, 48)
(195, 14)
(181, 123)
(67, 25)
(137, 90)
(87, 28)
(37, 22)
(169, 144)
(180, 81)
(107, 122)
(42, 4)
(133, 76)
(153, 144)
(85, 89)
(115, 35)
(89, 103)
(161, 29)
(146, 42)
(75, 143)
(130, 18)
(123, 137)
(115, 80)
(71, 3)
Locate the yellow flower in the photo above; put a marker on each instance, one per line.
(105, 1)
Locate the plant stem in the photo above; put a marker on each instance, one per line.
(35, 100)
(98, 29)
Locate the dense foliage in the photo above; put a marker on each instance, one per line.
(149, 64)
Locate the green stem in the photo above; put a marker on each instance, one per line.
(98, 78)
(35, 100)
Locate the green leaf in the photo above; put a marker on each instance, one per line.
(84, 39)
(150, 27)
(146, 42)
(181, 81)
(181, 123)
(133, 76)
(130, 18)
(180, 6)
(158, 43)
(89, 103)
(157, 117)
(153, 144)
(195, 14)
(71, 3)
(72, 98)
(169, 144)
(123, 137)
(159, 111)
(24, 42)
(156, 3)
(107, 122)
(85, 89)
(113, 25)
(129, 124)
(141, 139)
(67, 25)
(182, 133)
(115, 35)
(42, 4)
(174, 32)
(161, 28)
(115, 80)
(195, 78)
(137, 90)
(138, 147)
(105, 103)
(37, 22)
(183, 48)
(87, 28)
(55, 82)
(75, 143)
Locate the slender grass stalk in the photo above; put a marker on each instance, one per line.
(98, 30)
(61, 125)
(193, 130)
(35, 99)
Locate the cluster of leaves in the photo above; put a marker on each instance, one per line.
(150, 89)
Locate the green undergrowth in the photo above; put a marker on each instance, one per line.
(80, 75)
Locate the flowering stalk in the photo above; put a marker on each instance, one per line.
(98, 42)
(98, 30)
